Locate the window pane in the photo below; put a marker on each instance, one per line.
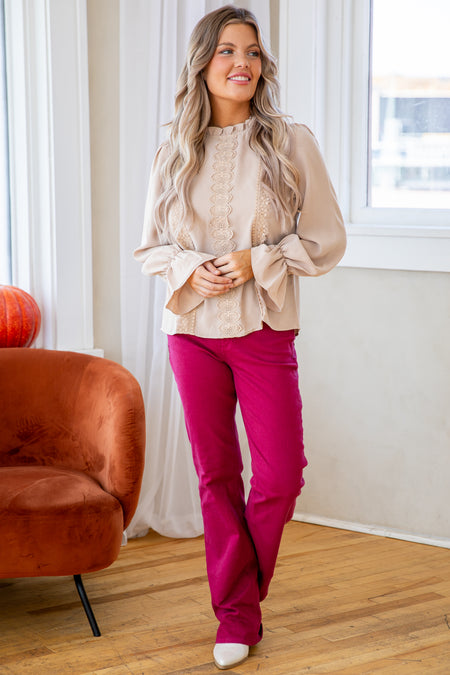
(409, 153)
(5, 238)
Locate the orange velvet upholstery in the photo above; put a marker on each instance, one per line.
(72, 439)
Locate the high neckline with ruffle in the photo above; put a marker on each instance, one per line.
(232, 129)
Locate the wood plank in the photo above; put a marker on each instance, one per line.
(341, 602)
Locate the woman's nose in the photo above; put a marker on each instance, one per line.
(241, 60)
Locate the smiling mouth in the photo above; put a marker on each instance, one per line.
(239, 78)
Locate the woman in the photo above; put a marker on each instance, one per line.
(239, 205)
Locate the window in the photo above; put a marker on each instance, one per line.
(5, 233)
(331, 80)
(409, 140)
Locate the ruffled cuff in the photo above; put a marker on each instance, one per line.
(270, 272)
(181, 297)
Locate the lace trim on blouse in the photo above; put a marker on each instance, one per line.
(260, 228)
(228, 306)
(260, 225)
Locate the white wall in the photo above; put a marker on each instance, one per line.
(375, 363)
(103, 46)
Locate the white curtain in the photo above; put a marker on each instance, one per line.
(153, 40)
(5, 236)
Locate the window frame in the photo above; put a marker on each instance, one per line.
(324, 66)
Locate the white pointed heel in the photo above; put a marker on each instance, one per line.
(229, 654)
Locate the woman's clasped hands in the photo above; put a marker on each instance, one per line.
(220, 275)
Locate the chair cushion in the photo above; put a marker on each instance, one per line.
(55, 521)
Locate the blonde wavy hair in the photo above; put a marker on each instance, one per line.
(271, 131)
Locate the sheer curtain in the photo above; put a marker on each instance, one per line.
(5, 233)
(153, 40)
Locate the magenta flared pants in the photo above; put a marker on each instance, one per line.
(242, 538)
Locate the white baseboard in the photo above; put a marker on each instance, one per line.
(443, 542)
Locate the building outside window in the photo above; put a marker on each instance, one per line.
(409, 139)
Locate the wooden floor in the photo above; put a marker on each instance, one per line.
(341, 603)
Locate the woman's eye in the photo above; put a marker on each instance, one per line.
(253, 54)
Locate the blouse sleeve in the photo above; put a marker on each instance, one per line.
(170, 261)
(319, 240)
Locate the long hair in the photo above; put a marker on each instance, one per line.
(271, 132)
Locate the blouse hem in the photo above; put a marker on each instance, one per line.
(169, 331)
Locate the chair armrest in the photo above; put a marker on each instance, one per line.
(110, 412)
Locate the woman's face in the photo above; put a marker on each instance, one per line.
(234, 70)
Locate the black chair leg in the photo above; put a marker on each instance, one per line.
(86, 605)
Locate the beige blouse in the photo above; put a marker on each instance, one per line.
(234, 212)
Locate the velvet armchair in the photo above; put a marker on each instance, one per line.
(72, 439)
